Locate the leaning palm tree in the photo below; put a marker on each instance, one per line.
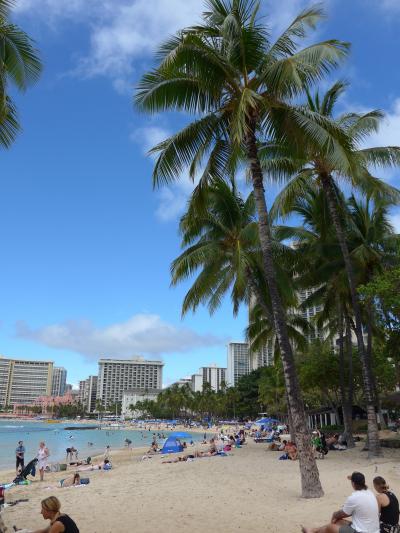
(350, 163)
(239, 85)
(20, 67)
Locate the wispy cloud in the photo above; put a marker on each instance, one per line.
(125, 31)
(141, 334)
(172, 199)
(395, 221)
(149, 136)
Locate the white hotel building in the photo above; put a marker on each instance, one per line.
(22, 382)
(119, 375)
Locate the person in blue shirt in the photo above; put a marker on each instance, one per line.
(19, 456)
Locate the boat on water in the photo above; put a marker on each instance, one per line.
(51, 421)
(71, 428)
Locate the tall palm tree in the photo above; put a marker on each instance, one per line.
(227, 73)
(20, 66)
(350, 163)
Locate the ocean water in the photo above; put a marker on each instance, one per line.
(57, 439)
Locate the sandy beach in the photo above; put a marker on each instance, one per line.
(249, 490)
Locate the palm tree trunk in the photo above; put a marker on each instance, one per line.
(373, 434)
(347, 404)
(310, 482)
(349, 350)
(369, 357)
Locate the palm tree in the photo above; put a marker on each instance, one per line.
(227, 72)
(20, 67)
(351, 163)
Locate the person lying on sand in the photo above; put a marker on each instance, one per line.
(75, 479)
(179, 459)
(361, 506)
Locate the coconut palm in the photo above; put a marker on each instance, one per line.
(20, 67)
(353, 166)
(372, 247)
(238, 84)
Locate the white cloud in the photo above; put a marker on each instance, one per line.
(149, 136)
(395, 221)
(172, 199)
(122, 31)
(142, 333)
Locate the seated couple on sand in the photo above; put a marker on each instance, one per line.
(368, 513)
(290, 450)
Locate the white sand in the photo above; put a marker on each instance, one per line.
(248, 491)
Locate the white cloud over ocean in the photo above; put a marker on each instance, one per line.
(145, 334)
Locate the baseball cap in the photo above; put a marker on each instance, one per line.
(357, 478)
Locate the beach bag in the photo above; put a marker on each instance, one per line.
(63, 467)
(283, 457)
(85, 481)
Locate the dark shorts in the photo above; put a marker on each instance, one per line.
(346, 529)
(19, 462)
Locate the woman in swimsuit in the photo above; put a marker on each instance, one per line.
(59, 523)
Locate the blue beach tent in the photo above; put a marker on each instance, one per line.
(180, 435)
(267, 422)
(172, 445)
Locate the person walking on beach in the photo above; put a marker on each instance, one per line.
(59, 523)
(107, 453)
(19, 456)
(361, 506)
(42, 456)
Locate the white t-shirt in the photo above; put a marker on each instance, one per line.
(363, 508)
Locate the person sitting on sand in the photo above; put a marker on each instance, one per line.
(361, 506)
(278, 446)
(59, 523)
(71, 481)
(388, 506)
(291, 450)
(332, 441)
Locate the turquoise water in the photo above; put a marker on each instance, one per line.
(57, 439)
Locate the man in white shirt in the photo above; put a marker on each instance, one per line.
(361, 506)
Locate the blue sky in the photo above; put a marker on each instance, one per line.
(86, 243)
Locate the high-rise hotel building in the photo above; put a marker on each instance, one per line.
(22, 382)
(59, 381)
(119, 375)
(238, 362)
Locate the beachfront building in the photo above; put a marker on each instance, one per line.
(131, 397)
(183, 382)
(309, 313)
(196, 382)
(238, 362)
(22, 382)
(87, 395)
(263, 357)
(214, 375)
(59, 381)
(119, 375)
